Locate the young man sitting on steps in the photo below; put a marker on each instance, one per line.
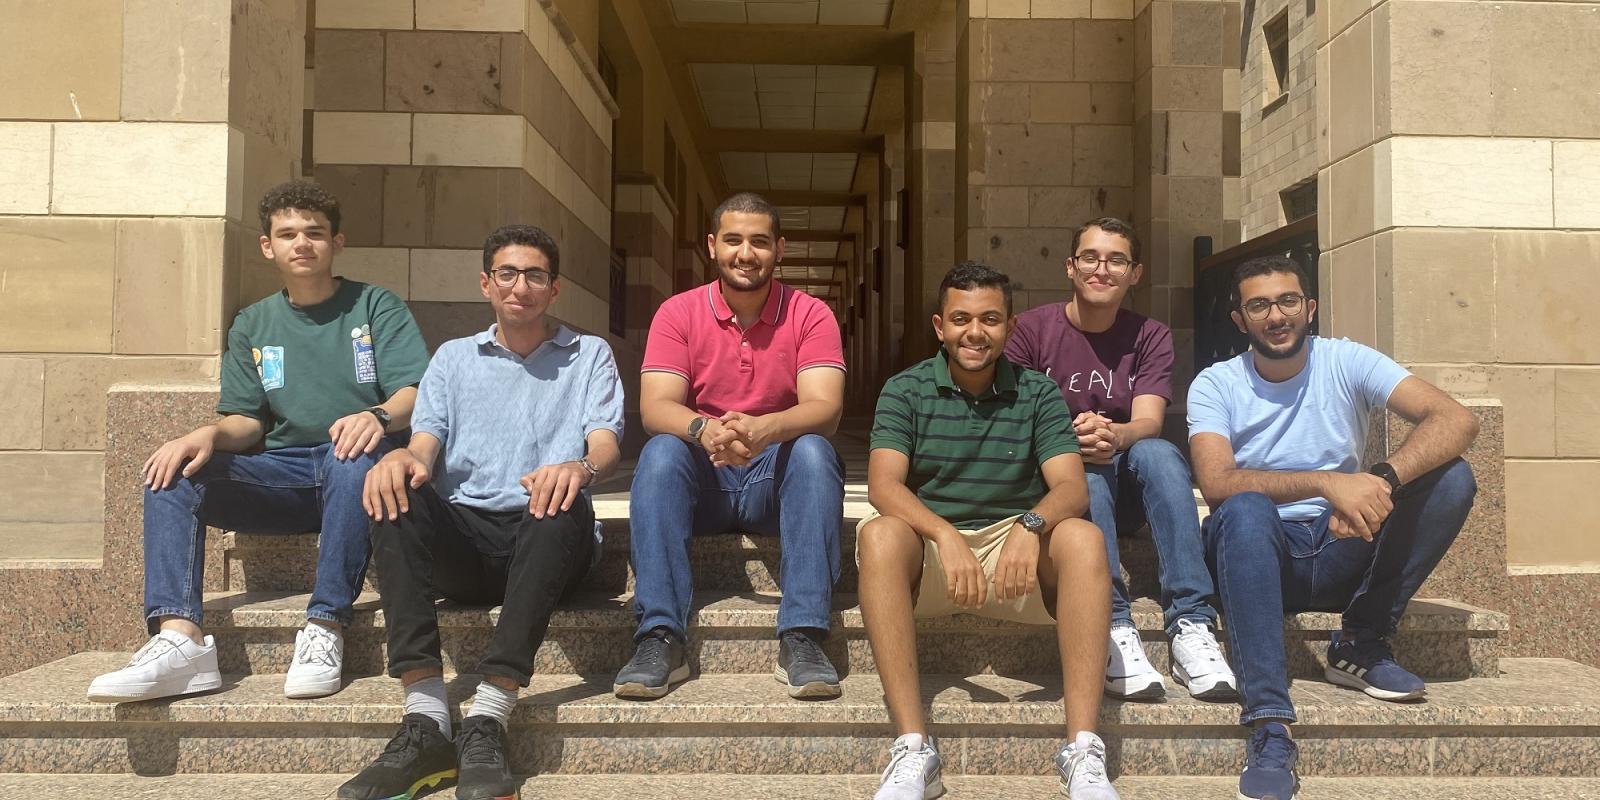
(1277, 435)
(526, 415)
(317, 375)
(975, 472)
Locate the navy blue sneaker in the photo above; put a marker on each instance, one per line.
(1369, 665)
(1269, 765)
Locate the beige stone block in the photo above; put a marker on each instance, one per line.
(1352, 193)
(1023, 155)
(473, 15)
(1471, 182)
(169, 277)
(1350, 126)
(1101, 51)
(466, 207)
(1529, 397)
(1060, 206)
(62, 60)
(469, 140)
(75, 392)
(1577, 418)
(1443, 301)
(1541, 281)
(1338, 15)
(1062, 9)
(1195, 199)
(1102, 155)
(1350, 291)
(1001, 102)
(446, 275)
(1003, 206)
(359, 188)
(1194, 143)
(1551, 94)
(581, 308)
(53, 265)
(349, 67)
(1230, 90)
(24, 167)
(256, 164)
(1059, 102)
(1186, 88)
(1543, 501)
(976, 9)
(405, 206)
(266, 92)
(437, 71)
(22, 395)
(1007, 9)
(51, 488)
(1112, 9)
(175, 60)
(140, 168)
(389, 267)
(1025, 50)
(344, 137)
(384, 14)
(1111, 103)
(1190, 34)
(1577, 184)
(1439, 69)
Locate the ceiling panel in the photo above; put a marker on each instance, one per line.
(815, 172)
(785, 96)
(783, 12)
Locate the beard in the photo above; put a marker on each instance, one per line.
(741, 281)
(954, 352)
(1279, 352)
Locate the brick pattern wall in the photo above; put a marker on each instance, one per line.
(1278, 134)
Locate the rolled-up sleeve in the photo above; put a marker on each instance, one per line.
(603, 411)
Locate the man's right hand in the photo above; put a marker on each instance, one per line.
(725, 445)
(1360, 503)
(163, 466)
(386, 495)
(964, 579)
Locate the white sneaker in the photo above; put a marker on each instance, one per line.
(318, 663)
(1128, 673)
(1082, 767)
(169, 664)
(913, 771)
(1198, 663)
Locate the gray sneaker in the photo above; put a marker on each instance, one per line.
(1082, 767)
(659, 661)
(913, 772)
(803, 668)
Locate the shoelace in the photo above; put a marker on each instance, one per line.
(153, 649)
(480, 744)
(907, 765)
(1128, 645)
(804, 651)
(652, 650)
(404, 743)
(1089, 765)
(1197, 638)
(317, 647)
(1269, 750)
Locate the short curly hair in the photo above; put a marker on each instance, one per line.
(302, 196)
(526, 235)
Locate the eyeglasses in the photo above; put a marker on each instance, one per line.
(1290, 304)
(1116, 265)
(506, 277)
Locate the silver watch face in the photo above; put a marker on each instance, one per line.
(1032, 522)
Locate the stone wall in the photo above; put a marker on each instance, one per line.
(1278, 134)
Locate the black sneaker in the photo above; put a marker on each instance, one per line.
(659, 660)
(417, 756)
(804, 668)
(481, 753)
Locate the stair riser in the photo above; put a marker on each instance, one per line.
(542, 748)
(750, 650)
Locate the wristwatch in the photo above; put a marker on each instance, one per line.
(1385, 471)
(696, 427)
(383, 416)
(1031, 522)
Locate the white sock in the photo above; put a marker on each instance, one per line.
(427, 696)
(493, 702)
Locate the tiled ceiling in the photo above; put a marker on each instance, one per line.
(788, 96)
(783, 12)
(811, 218)
(810, 249)
(786, 272)
(802, 172)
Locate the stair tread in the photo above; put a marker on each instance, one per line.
(266, 609)
(824, 787)
(1521, 696)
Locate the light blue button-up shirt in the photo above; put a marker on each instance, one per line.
(500, 416)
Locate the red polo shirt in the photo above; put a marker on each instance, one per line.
(754, 371)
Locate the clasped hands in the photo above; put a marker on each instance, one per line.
(735, 438)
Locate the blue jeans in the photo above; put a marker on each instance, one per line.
(1156, 470)
(287, 490)
(1267, 567)
(794, 490)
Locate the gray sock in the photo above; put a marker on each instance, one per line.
(493, 702)
(427, 696)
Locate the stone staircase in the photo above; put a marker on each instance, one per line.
(1492, 727)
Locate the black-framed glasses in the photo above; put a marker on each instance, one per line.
(1117, 265)
(506, 277)
(1290, 304)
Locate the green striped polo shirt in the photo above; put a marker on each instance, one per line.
(974, 460)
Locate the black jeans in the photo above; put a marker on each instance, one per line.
(442, 549)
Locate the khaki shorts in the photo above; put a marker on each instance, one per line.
(933, 599)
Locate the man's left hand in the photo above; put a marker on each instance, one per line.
(358, 433)
(751, 431)
(553, 487)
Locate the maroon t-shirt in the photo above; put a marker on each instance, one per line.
(1096, 371)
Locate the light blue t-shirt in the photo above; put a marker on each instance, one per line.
(500, 416)
(1316, 420)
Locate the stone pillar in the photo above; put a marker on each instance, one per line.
(1460, 229)
(931, 168)
(1186, 155)
(1046, 134)
(129, 192)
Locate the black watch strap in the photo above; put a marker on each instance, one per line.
(383, 416)
(1385, 470)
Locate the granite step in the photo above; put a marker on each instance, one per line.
(1541, 718)
(765, 787)
(733, 633)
